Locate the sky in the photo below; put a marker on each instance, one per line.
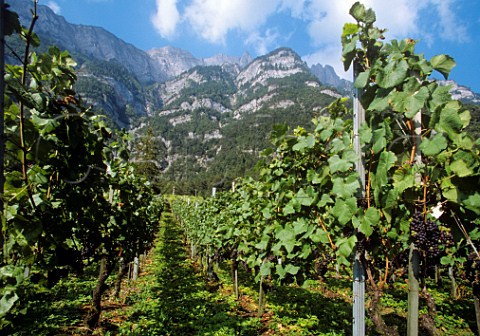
(310, 27)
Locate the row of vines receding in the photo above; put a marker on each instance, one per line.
(72, 199)
(304, 215)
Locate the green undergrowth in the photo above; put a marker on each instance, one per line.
(53, 311)
(172, 297)
(175, 300)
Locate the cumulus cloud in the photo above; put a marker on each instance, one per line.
(214, 19)
(295, 7)
(322, 21)
(326, 19)
(450, 27)
(55, 7)
(263, 44)
(166, 18)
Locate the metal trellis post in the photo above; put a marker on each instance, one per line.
(358, 323)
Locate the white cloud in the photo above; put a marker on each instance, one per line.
(55, 7)
(263, 44)
(326, 18)
(450, 27)
(400, 21)
(214, 19)
(296, 7)
(407, 19)
(166, 18)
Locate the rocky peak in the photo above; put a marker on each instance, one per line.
(222, 59)
(89, 41)
(327, 76)
(173, 61)
(460, 92)
(245, 59)
(279, 63)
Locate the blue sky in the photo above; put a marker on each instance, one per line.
(311, 27)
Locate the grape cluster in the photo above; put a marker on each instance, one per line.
(321, 266)
(427, 236)
(473, 272)
(447, 239)
(417, 230)
(432, 244)
(360, 246)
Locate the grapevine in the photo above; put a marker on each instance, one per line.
(305, 199)
(69, 201)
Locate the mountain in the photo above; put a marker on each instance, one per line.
(462, 93)
(87, 41)
(112, 75)
(216, 120)
(173, 61)
(209, 117)
(327, 75)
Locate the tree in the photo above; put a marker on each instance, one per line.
(149, 156)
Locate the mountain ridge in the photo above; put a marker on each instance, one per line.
(147, 68)
(97, 42)
(210, 117)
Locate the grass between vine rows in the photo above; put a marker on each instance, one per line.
(171, 297)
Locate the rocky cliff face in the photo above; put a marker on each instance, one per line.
(90, 42)
(280, 63)
(223, 60)
(462, 93)
(219, 112)
(113, 75)
(327, 75)
(174, 61)
(242, 90)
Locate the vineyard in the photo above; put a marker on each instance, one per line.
(376, 210)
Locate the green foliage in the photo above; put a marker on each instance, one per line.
(281, 214)
(474, 127)
(172, 297)
(113, 90)
(71, 195)
(148, 152)
(305, 203)
(72, 192)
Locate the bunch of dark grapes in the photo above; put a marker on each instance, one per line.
(434, 235)
(473, 272)
(447, 239)
(417, 231)
(428, 237)
(321, 266)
